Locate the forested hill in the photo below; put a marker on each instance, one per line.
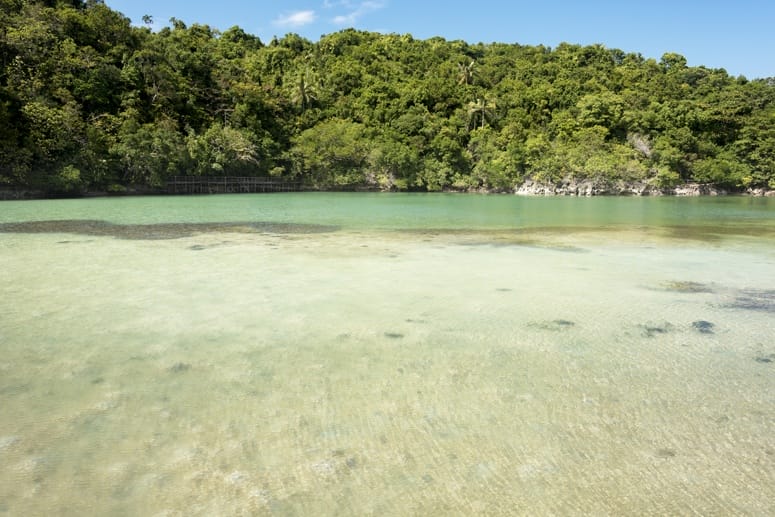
(89, 102)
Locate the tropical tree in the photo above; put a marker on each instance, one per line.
(88, 100)
(479, 112)
(305, 91)
(222, 150)
(332, 153)
(466, 72)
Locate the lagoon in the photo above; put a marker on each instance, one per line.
(387, 354)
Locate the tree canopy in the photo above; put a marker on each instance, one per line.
(89, 101)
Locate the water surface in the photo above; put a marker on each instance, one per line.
(355, 354)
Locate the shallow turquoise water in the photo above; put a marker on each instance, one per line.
(351, 354)
(403, 211)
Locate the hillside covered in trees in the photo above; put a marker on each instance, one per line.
(90, 102)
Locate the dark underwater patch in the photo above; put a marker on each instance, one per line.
(665, 453)
(529, 237)
(526, 243)
(553, 325)
(179, 368)
(160, 231)
(762, 300)
(703, 327)
(684, 286)
(656, 329)
(715, 233)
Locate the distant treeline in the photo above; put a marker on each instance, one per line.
(89, 102)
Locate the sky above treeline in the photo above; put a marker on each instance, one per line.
(738, 35)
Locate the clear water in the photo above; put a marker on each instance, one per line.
(362, 354)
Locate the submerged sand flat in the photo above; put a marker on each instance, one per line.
(386, 371)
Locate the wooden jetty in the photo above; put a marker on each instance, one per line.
(229, 185)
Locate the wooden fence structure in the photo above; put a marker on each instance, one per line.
(229, 185)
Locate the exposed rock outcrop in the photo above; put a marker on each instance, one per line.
(759, 192)
(588, 188)
(697, 189)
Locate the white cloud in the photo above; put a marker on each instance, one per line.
(328, 4)
(344, 20)
(297, 19)
(362, 9)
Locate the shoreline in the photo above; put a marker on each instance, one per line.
(527, 189)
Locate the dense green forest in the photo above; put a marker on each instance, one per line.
(90, 102)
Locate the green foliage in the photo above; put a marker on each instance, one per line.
(756, 147)
(67, 180)
(435, 175)
(724, 169)
(494, 167)
(222, 150)
(89, 101)
(392, 163)
(666, 178)
(149, 153)
(334, 153)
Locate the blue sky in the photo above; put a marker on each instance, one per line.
(738, 35)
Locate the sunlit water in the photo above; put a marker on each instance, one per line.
(358, 354)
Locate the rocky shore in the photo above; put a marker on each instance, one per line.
(7, 194)
(583, 188)
(596, 188)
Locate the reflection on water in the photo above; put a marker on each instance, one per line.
(228, 368)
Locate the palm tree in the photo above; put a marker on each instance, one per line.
(480, 110)
(465, 73)
(305, 92)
